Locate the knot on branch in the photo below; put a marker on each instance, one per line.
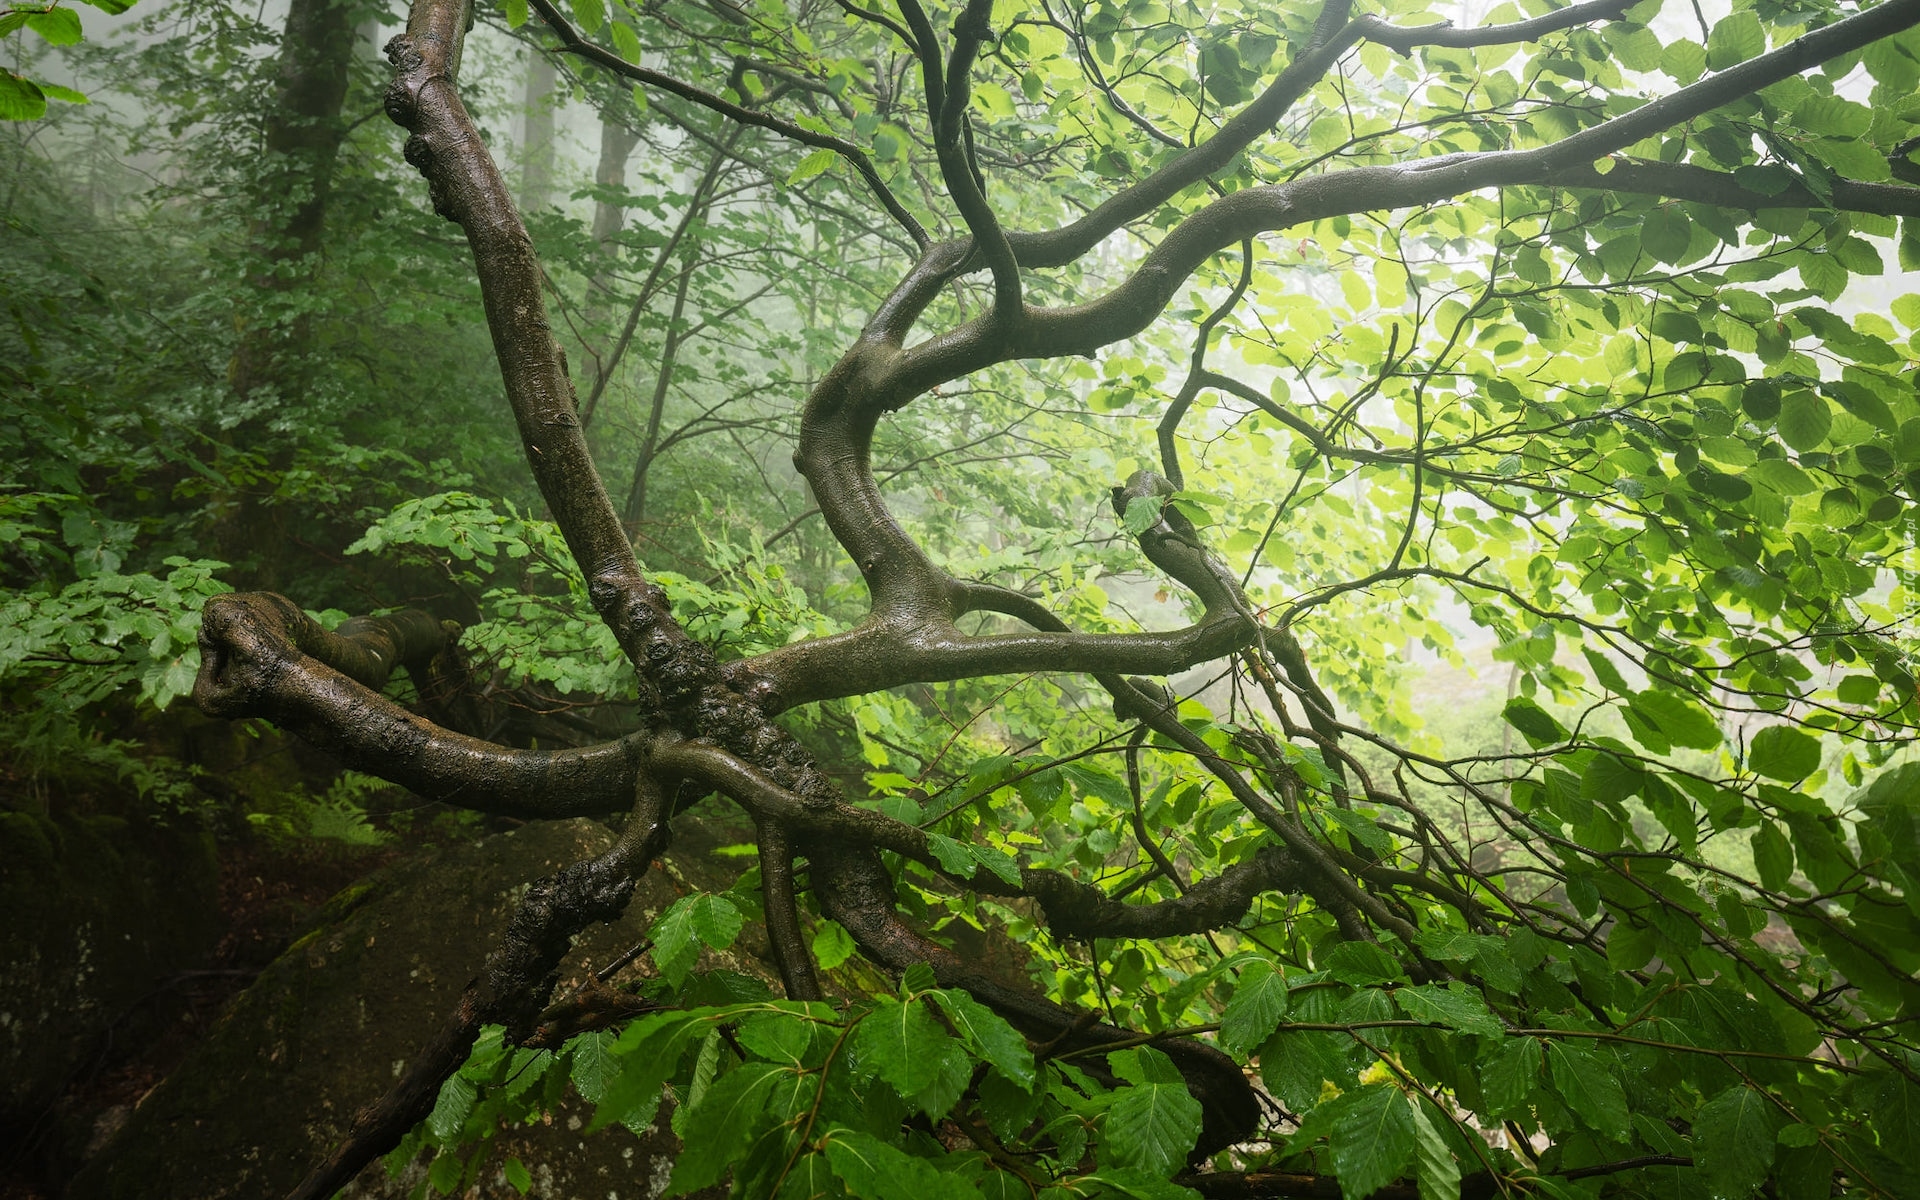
(522, 972)
(1146, 507)
(243, 642)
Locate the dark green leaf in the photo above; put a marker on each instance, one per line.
(988, 1035)
(1784, 753)
(717, 1128)
(1372, 1141)
(902, 1043)
(1733, 1140)
(1259, 1001)
(1772, 856)
(1591, 1092)
(1151, 1127)
(1452, 1005)
(1533, 722)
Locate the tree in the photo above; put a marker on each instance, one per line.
(1512, 369)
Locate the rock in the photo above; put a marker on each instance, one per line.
(331, 1023)
(100, 912)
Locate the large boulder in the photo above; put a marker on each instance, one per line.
(331, 1023)
(101, 912)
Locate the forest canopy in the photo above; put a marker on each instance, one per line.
(1287, 599)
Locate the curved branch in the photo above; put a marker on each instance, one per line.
(254, 663)
(1077, 910)
(1196, 373)
(1332, 36)
(1444, 34)
(1684, 181)
(953, 145)
(1138, 301)
(466, 187)
(783, 918)
(876, 656)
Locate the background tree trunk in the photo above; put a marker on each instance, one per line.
(536, 134)
(301, 138)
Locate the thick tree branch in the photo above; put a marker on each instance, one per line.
(953, 146)
(878, 655)
(1406, 41)
(253, 663)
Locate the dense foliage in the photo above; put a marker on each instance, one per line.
(1238, 377)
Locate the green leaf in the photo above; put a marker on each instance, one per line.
(518, 1177)
(716, 921)
(873, 1170)
(20, 99)
(1151, 1127)
(1666, 233)
(1607, 675)
(593, 1066)
(451, 1107)
(1804, 420)
(1434, 1168)
(1511, 1077)
(1533, 722)
(1784, 753)
(1685, 61)
(1733, 1140)
(1591, 1092)
(60, 26)
(1143, 513)
(692, 921)
(1734, 40)
(1772, 856)
(515, 11)
(1452, 1005)
(1684, 723)
(902, 1043)
(988, 1035)
(1002, 864)
(832, 944)
(724, 1121)
(625, 41)
(954, 858)
(1372, 1141)
(590, 15)
(816, 163)
(1259, 1001)
(1609, 780)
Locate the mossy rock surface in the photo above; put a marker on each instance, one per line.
(331, 1023)
(100, 912)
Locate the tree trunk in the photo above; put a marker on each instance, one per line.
(616, 146)
(301, 136)
(536, 134)
(663, 379)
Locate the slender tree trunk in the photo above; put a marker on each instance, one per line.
(301, 136)
(616, 146)
(663, 378)
(536, 134)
